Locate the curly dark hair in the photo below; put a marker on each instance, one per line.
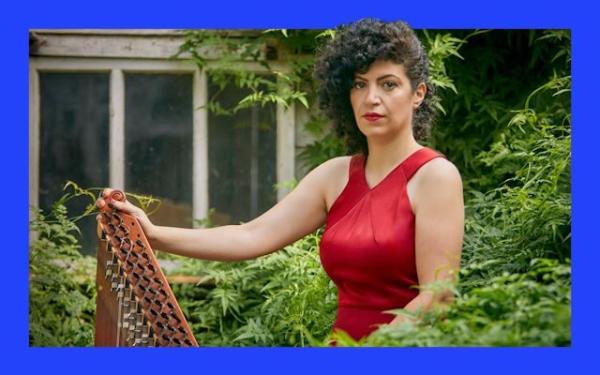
(353, 49)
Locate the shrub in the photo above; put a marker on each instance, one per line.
(62, 291)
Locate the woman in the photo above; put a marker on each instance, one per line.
(393, 211)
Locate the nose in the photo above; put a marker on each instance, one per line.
(372, 97)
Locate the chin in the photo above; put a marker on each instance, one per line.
(374, 130)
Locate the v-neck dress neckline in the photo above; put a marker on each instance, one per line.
(394, 170)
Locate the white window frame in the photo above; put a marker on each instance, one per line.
(117, 68)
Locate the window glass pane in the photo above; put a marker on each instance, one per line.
(242, 158)
(158, 143)
(73, 141)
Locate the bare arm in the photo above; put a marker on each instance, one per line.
(439, 228)
(301, 212)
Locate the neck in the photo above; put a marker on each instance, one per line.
(385, 154)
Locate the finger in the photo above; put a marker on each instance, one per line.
(118, 205)
(101, 219)
(100, 203)
(106, 192)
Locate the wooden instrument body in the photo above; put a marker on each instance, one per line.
(135, 305)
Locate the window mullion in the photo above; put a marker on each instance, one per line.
(286, 148)
(34, 136)
(34, 145)
(117, 130)
(254, 169)
(200, 146)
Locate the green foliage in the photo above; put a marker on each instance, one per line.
(61, 283)
(527, 214)
(440, 47)
(265, 84)
(328, 146)
(283, 299)
(521, 309)
(499, 70)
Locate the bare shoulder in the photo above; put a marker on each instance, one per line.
(332, 168)
(437, 180)
(338, 165)
(438, 172)
(333, 177)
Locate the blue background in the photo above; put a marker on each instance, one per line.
(22, 16)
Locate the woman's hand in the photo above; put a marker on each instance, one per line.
(127, 208)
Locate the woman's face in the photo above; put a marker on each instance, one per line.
(383, 100)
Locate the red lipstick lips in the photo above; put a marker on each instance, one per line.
(372, 116)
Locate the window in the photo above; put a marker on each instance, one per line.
(73, 139)
(241, 183)
(158, 143)
(111, 108)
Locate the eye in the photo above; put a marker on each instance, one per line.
(358, 84)
(389, 85)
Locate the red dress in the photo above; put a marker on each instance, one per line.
(368, 247)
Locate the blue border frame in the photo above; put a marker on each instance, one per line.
(311, 14)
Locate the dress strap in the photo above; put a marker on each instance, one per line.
(352, 193)
(356, 167)
(415, 161)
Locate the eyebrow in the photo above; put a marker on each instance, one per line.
(378, 78)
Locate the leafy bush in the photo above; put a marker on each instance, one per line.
(497, 71)
(62, 292)
(521, 309)
(281, 299)
(528, 214)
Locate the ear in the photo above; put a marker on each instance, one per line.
(419, 94)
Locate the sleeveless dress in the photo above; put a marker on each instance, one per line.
(368, 246)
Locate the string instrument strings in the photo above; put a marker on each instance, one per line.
(135, 305)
